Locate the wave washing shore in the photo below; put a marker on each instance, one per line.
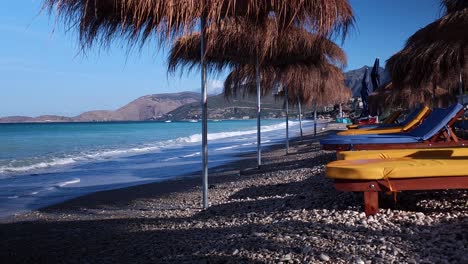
(42, 164)
(286, 212)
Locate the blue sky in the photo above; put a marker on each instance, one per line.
(42, 70)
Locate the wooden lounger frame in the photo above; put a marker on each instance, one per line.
(371, 188)
(446, 138)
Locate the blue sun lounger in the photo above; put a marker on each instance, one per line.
(435, 128)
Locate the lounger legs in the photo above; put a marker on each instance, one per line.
(371, 203)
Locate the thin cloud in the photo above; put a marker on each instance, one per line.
(214, 87)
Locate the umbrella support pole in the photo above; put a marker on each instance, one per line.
(300, 117)
(204, 105)
(462, 99)
(259, 137)
(287, 119)
(315, 120)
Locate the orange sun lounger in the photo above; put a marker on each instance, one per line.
(418, 169)
(425, 111)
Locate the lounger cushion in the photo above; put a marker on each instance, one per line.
(365, 131)
(369, 139)
(353, 126)
(398, 168)
(402, 153)
(387, 130)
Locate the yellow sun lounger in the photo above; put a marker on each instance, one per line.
(425, 111)
(391, 119)
(397, 174)
(402, 153)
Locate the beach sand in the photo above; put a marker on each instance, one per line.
(285, 212)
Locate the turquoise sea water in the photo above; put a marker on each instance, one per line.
(42, 164)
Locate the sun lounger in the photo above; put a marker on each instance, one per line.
(403, 153)
(372, 176)
(390, 120)
(409, 124)
(411, 116)
(435, 131)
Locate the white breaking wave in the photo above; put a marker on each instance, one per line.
(191, 155)
(220, 135)
(65, 183)
(148, 148)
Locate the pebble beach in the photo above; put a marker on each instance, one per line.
(285, 212)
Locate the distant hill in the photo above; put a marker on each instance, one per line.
(240, 107)
(149, 107)
(353, 79)
(186, 105)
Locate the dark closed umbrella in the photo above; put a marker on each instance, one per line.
(375, 80)
(364, 95)
(375, 75)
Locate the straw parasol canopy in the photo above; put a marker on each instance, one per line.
(101, 21)
(297, 59)
(234, 43)
(391, 97)
(435, 55)
(321, 84)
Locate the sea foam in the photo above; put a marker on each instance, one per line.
(36, 164)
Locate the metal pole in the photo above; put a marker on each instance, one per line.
(341, 111)
(462, 99)
(300, 116)
(287, 118)
(259, 136)
(204, 103)
(461, 90)
(315, 120)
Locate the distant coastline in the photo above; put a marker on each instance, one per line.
(185, 106)
(132, 121)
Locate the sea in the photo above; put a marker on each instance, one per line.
(46, 163)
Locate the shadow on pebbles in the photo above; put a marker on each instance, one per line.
(285, 212)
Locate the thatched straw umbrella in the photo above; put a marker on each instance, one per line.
(317, 84)
(138, 21)
(312, 84)
(436, 55)
(101, 21)
(289, 54)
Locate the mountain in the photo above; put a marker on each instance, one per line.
(149, 107)
(353, 79)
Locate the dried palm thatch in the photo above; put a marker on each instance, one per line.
(451, 6)
(297, 59)
(391, 97)
(321, 84)
(234, 43)
(137, 21)
(436, 54)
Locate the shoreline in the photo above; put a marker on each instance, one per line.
(284, 212)
(232, 167)
(44, 184)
